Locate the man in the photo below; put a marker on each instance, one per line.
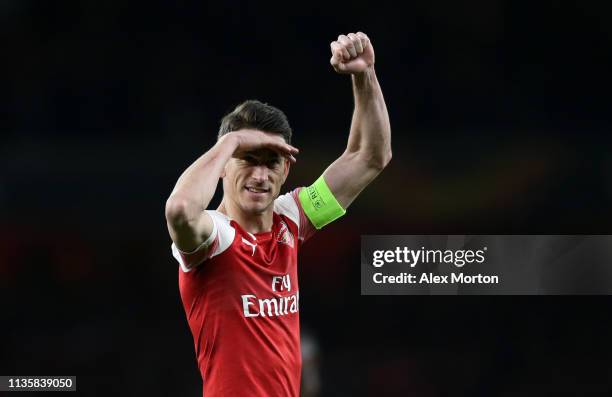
(238, 264)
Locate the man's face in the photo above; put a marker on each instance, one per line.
(254, 179)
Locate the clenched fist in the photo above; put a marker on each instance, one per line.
(352, 53)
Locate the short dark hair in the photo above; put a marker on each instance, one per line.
(256, 115)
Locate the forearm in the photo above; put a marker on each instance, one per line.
(370, 135)
(196, 186)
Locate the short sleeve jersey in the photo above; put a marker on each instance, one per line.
(241, 297)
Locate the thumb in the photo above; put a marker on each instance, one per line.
(337, 62)
(339, 67)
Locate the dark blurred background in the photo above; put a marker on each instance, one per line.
(501, 124)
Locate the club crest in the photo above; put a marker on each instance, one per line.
(284, 235)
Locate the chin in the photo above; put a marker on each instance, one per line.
(255, 208)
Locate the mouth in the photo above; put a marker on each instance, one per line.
(256, 190)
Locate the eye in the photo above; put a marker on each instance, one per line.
(274, 163)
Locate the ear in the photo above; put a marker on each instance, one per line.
(286, 170)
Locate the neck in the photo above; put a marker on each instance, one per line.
(252, 223)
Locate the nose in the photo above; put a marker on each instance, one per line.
(260, 173)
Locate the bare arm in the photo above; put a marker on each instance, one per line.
(368, 149)
(189, 225)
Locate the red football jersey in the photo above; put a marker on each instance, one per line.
(241, 298)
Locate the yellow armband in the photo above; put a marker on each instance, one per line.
(319, 204)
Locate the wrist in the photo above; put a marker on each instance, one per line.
(368, 75)
(363, 81)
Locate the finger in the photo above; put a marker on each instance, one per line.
(365, 40)
(279, 145)
(339, 48)
(356, 42)
(286, 149)
(348, 44)
(292, 159)
(277, 141)
(337, 54)
(362, 35)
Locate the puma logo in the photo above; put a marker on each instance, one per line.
(250, 244)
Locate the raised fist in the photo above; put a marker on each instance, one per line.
(352, 53)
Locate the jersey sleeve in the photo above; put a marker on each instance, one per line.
(219, 240)
(289, 205)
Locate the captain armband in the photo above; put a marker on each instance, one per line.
(319, 204)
